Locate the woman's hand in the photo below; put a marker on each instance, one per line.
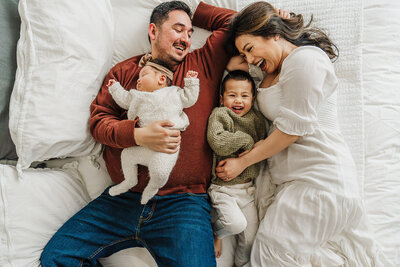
(158, 138)
(283, 13)
(229, 169)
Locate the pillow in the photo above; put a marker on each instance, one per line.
(63, 55)
(92, 170)
(130, 38)
(9, 32)
(32, 209)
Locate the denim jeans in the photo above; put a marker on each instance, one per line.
(176, 229)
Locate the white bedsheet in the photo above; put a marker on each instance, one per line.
(369, 71)
(381, 83)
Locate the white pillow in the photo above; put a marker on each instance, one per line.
(63, 55)
(131, 24)
(92, 170)
(32, 209)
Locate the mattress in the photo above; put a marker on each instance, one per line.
(367, 33)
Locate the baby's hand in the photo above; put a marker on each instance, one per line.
(191, 74)
(110, 82)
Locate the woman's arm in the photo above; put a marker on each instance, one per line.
(230, 168)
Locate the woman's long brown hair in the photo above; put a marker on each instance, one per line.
(262, 19)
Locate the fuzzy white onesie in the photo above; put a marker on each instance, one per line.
(166, 103)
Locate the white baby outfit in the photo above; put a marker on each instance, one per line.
(317, 199)
(163, 104)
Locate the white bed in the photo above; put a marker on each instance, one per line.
(63, 54)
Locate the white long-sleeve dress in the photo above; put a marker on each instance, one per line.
(317, 207)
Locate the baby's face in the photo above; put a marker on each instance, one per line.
(149, 79)
(237, 96)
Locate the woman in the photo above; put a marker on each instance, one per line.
(317, 203)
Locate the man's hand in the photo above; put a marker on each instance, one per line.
(158, 138)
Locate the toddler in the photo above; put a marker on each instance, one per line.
(233, 129)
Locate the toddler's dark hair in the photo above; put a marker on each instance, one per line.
(239, 75)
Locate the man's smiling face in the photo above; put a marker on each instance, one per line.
(172, 39)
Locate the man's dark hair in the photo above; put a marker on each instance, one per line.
(238, 75)
(160, 12)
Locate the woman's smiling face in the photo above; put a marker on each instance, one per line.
(261, 51)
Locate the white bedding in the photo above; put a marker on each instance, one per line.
(368, 35)
(381, 84)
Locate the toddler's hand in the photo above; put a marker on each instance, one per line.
(110, 82)
(237, 63)
(191, 74)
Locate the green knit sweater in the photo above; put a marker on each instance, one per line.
(228, 135)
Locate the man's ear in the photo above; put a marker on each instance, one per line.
(221, 100)
(152, 30)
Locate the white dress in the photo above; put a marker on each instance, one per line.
(317, 200)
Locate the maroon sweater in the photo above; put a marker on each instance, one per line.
(109, 124)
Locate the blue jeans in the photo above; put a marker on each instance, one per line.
(175, 229)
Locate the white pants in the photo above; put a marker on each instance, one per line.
(236, 214)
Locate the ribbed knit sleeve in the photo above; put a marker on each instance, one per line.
(221, 134)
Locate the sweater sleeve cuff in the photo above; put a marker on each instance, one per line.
(126, 133)
(191, 81)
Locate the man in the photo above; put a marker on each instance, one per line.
(175, 225)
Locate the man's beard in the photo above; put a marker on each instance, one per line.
(167, 58)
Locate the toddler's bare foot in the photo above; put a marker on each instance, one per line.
(218, 247)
